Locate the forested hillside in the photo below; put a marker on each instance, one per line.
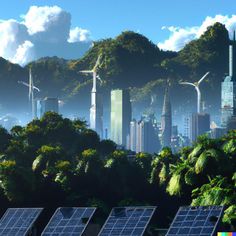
(128, 61)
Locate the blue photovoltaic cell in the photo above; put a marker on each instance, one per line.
(127, 221)
(69, 221)
(198, 221)
(18, 221)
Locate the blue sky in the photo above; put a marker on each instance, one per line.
(68, 29)
(107, 18)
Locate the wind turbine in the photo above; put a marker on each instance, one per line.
(96, 110)
(31, 87)
(196, 86)
(94, 73)
(27, 85)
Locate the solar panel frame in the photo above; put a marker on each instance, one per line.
(45, 233)
(200, 212)
(13, 230)
(153, 208)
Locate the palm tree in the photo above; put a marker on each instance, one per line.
(161, 166)
(179, 175)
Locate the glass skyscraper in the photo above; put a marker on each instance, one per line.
(200, 124)
(228, 88)
(41, 106)
(120, 116)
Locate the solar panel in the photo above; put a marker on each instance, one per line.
(200, 221)
(18, 221)
(127, 221)
(69, 221)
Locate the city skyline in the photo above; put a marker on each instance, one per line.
(92, 64)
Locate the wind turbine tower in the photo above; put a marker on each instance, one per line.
(196, 86)
(96, 109)
(31, 87)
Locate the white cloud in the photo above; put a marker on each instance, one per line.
(179, 37)
(24, 53)
(50, 24)
(12, 34)
(44, 31)
(79, 35)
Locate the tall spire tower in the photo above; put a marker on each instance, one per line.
(228, 87)
(166, 120)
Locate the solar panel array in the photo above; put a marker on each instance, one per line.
(200, 221)
(127, 221)
(18, 221)
(69, 221)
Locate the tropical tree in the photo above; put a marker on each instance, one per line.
(161, 166)
(5, 138)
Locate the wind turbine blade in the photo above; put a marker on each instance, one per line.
(86, 71)
(187, 83)
(36, 88)
(203, 77)
(27, 85)
(97, 62)
(24, 83)
(99, 78)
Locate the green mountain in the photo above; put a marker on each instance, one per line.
(128, 60)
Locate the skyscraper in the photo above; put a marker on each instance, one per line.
(120, 116)
(228, 88)
(200, 124)
(217, 132)
(166, 120)
(231, 124)
(133, 135)
(45, 105)
(147, 139)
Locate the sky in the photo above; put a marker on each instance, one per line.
(29, 32)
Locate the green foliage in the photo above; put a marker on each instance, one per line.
(175, 186)
(161, 166)
(195, 152)
(47, 158)
(203, 162)
(144, 160)
(4, 139)
(230, 216)
(217, 192)
(230, 147)
(190, 177)
(55, 161)
(15, 181)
